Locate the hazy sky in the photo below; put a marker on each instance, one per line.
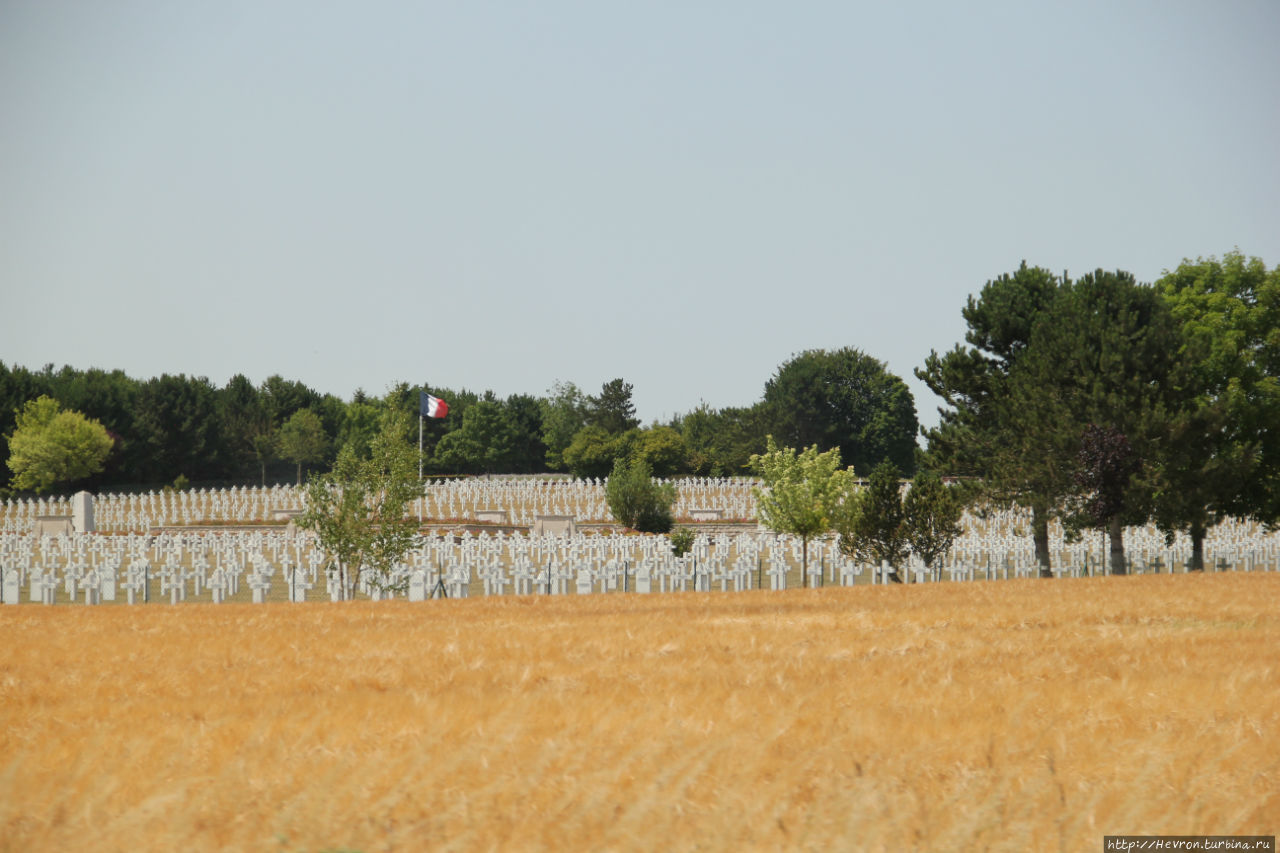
(502, 195)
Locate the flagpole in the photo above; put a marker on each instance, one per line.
(419, 444)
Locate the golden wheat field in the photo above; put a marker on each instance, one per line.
(1013, 715)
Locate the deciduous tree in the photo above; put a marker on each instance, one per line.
(802, 492)
(50, 445)
(637, 500)
(1223, 457)
(302, 440)
(847, 400)
(359, 509)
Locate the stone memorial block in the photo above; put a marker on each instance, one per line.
(491, 516)
(644, 578)
(52, 525)
(706, 514)
(418, 586)
(11, 587)
(554, 525)
(459, 581)
(82, 512)
(584, 581)
(107, 578)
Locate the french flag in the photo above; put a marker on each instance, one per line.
(432, 407)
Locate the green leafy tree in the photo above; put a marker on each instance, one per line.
(877, 532)
(721, 442)
(301, 439)
(592, 453)
(50, 445)
(740, 433)
(282, 397)
(360, 423)
(801, 493)
(698, 432)
(637, 500)
(682, 539)
(847, 400)
(663, 448)
(931, 513)
(358, 510)
(484, 443)
(1223, 458)
(528, 452)
(564, 414)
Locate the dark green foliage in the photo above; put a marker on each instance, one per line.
(682, 539)
(637, 500)
(981, 431)
(931, 514)
(528, 451)
(1107, 352)
(721, 442)
(591, 453)
(1223, 456)
(485, 443)
(843, 399)
(877, 532)
(613, 410)
(175, 430)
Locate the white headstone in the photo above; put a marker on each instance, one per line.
(82, 512)
(644, 579)
(418, 586)
(11, 588)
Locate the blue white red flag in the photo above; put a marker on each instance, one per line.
(432, 407)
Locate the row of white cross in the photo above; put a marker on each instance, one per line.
(176, 567)
(523, 498)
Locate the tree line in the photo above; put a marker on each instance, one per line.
(1099, 401)
(1105, 403)
(183, 429)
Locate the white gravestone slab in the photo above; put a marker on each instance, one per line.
(82, 512)
(12, 587)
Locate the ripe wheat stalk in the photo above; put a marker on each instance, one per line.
(1007, 716)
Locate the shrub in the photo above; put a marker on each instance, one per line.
(636, 500)
(682, 541)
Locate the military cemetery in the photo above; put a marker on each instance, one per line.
(496, 536)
